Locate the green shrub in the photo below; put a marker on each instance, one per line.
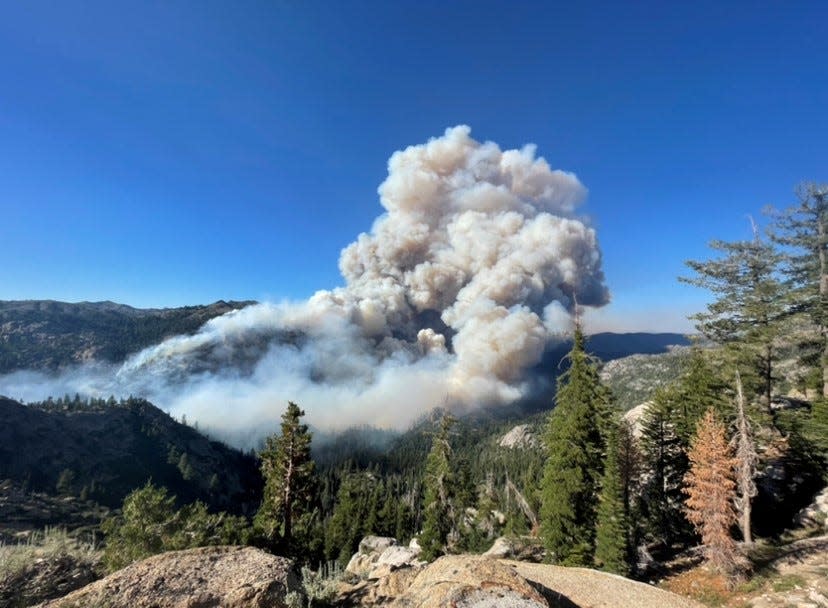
(149, 524)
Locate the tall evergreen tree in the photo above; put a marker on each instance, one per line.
(803, 231)
(746, 312)
(612, 528)
(662, 506)
(574, 463)
(700, 387)
(439, 481)
(290, 492)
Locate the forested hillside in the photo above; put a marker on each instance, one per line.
(102, 450)
(48, 335)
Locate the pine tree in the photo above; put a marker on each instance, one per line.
(438, 482)
(662, 506)
(612, 527)
(711, 490)
(290, 492)
(819, 428)
(745, 316)
(574, 464)
(803, 230)
(698, 389)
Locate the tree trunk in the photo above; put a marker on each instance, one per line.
(288, 494)
(768, 376)
(746, 459)
(823, 293)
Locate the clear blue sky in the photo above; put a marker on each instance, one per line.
(166, 153)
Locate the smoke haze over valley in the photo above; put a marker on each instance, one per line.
(450, 298)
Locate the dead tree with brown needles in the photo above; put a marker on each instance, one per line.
(710, 486)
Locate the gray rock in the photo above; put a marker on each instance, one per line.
(469, 581)
(500, 548)
(816, 513)
(519, 438)
(363, 562)
(376, 544)
(515, 548)
(209, 577)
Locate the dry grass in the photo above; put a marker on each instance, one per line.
(702, 585)
(45, 545)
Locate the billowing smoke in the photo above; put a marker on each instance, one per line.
(451, 297)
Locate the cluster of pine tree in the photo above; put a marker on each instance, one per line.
(692, 472)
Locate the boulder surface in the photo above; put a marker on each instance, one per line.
(208, 577)
(469, 582)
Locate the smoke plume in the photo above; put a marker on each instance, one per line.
(454, 293)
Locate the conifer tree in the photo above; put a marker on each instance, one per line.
(343, 532)
(819, 428)
(698, 389)
(710, 489)
(612, 528)
(290, 492)
(667, 429)
(574, 463)
(662, 505)
(438, 481)
(629, 464)
(746, 313)
(803, 230)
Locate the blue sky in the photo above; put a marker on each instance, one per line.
(168, 153)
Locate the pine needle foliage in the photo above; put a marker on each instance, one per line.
(612, 527)
(747, 311)
(573, 468)
(290, 492)
(803, 231)
(439, 482)
(711, 490)
(662, 507)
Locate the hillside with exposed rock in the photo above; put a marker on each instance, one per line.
(49, 335)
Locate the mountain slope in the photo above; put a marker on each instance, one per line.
(105, 450)
(48, 335)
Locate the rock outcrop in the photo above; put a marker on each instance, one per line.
(209, 577)
(635, 417)
(378, 556)
(464, 581)
(474, 581)
(816, 513)
(520, 437)
(523, 549)
(587, 588)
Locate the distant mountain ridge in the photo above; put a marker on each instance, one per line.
(104, 450)
(49, 335)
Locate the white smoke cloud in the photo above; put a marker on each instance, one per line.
(450, 298)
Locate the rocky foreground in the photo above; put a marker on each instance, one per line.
(244, 577)
(208, 577)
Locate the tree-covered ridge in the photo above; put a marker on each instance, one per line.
(48, 335)
(102, 449)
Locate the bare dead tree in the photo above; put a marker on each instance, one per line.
(746, 462)
(523, 504)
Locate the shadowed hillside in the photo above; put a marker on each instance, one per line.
(104, 450)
